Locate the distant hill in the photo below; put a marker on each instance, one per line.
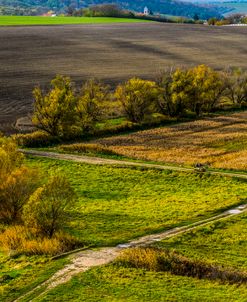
(169, 7)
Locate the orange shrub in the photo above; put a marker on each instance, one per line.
(19, 240)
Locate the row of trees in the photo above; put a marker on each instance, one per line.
(65, 112)
(26, 200)
(103, 10)
(231, 19)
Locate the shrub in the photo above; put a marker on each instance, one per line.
(147, 258)
(222, 22)
(46, 210)
(10, 157)
(15, 190)
(19, 240)
(35, 139)
(16, 181)
(164, 260)
(87, 148)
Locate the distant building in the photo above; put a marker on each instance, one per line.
(146, 11)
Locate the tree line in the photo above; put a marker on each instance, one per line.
(66, 112)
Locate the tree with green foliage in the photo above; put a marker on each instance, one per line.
(138, 98)
(46, 210)
(54, 112)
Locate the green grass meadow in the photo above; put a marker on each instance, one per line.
(36, 20)
(222, 243)
(116, 204)
(112, 283)
(19, 275)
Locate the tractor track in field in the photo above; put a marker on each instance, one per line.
(106, 161)
(84, 260)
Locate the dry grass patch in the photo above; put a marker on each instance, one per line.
(220, 142)
(154, 259)
(17, 240)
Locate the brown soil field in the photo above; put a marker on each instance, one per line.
(33, 55)
(221, 142)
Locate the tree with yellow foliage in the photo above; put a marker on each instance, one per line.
(89, 103)
(138, 98)
(54, 112)
(197, 89)
(46, 212)
(16, 181)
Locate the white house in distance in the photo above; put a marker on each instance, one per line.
(146, 11)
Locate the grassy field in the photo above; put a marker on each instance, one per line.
(116, 204)
(35, 20)
(33, 55)
(221, 243)
(20, 274)
(116, 284)
(220, 142)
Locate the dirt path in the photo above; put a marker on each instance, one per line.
(84, 260)
(106, 161)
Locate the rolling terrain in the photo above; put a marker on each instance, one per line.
(33, 55)
(179, 8)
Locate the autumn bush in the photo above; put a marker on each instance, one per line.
(35, 139)
(15, 190)
(155, 259)
(17, 182)
(86, 148)
(18, 239)
(33, 215)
